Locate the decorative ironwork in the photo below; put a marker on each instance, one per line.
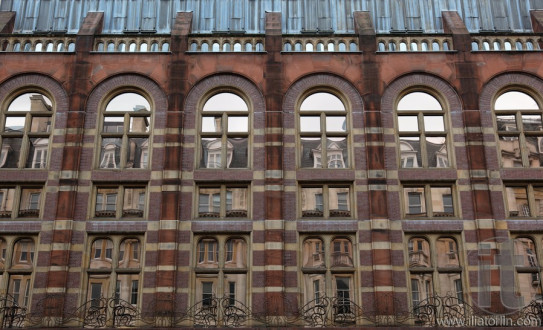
(13, 315)
(435, 308)
(106, 312)
(212, 312)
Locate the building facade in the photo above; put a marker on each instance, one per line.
(270, 162)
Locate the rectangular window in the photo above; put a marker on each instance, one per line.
(325, 202)
(34, 201)
(524, 201)
(223, 202)
(343, 294)
(448, 204)
(458, 289)
(317, 290)
(415, 293)
(96, 294)
(429, 201)
(415, 202)
(120, 202)
(342, 201)
(319, 202)
(134, 292)
(231, 293)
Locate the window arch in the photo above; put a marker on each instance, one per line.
(114, 269)
(520, 129)
(528, 270)
(126, 123)
(323, 131)
(423, 131)
(224, 130)
(26, 128)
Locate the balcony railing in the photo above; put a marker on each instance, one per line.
(506, 43)
(132, 44)
(320, 44)
(227, 43)
(417, 43)
(38, 44)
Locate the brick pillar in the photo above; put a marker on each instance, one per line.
(59, 279)
(477, 167)
(172, 284)
(381, 275)
(274, 226)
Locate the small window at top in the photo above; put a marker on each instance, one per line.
(419, 101)
(322, 102)
(225, 102)
(128, 102)
(30, 102)
(515, 100)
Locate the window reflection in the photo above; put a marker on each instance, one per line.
(527, 266)
(217, 202)
(235, 253)
(326, 201)
(101, 254)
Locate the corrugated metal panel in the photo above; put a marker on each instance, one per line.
(249, 15)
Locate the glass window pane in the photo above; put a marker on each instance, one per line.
(532, 122)
(37, 153)
(236, 203)
(128, 102)
(313, 253)
(517, 202)
(23, 254)
(311, 155)
(238, 124)
(30, 102)
(441, 200)
(106, 202)
(322, 102)
(10, 153)
(237, 153)
(510, 151)
(131, 204)
(342, 253)
(515, 100)
(410, 152)
(235, 253)
(225, 102)
(436, 149)
(137, 153)
(211, 124)
(447, 253)
(336, 124)
(419, 101)
(40, 125)
(29, 205)
(408, 124)
(6, 202)
(3, 252)
(434, 124)
(529, 288)
(312, 202)
(525, 253)
(506, 123)
(113, 124)
(101, 253)
(414, 196)
(450, 284)
(127, 287)
(339, 202)
(211, 153)
(207, 203)
(130, 253)
(419, 253)
(336, 153)
(110, 156)
(538, 198)
(310, 124)
(15, 124)
(139, 125)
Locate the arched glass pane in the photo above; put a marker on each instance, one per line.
(130, 253)
(121, 47)
(414, 46)
(30, 102)
(23, 254)
(435, 46)
(259, 47)
(382, 47)
(515, 100)
(524, 253)
(249, 47)
(128, 102)
(165, 47)
(154, 47)
(205, 47)
(101, 254)
(237, 47)
(391, 47)
(403, 47)
(342, 47)
(38, 47)
(424, 46)
(16, 47)
(529, 45)
(308, 47)
(111, 47)
(322, 102)
(518, 45)
(99, 48)
(235, 253)
(313, 253)
(298, 47)
(419, 253)
(60, 47)
(225, 102)
(216, 47)
(226, 47)
(331, 46)
(143, 47)
(497, 45)
(447, 253)
(132, 47)
(28, 47)
(50, 47)
(287, 47)
(320, 47)
(507, 45)
(353, 47)
(486, 45)
(419, 101)
(208, 253)
(446, 45)
(341, 253)
(474, 46)
(71, 47)
(3, 253)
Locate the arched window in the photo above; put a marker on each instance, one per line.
(323, 130)
(422, 131)
(328, 272)
(125, 132)
(114, 270)
(528, 270)
(27, 125)
(435, 269)
(221, 271)
(225, 132)
(520, 129)
(19, 270)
